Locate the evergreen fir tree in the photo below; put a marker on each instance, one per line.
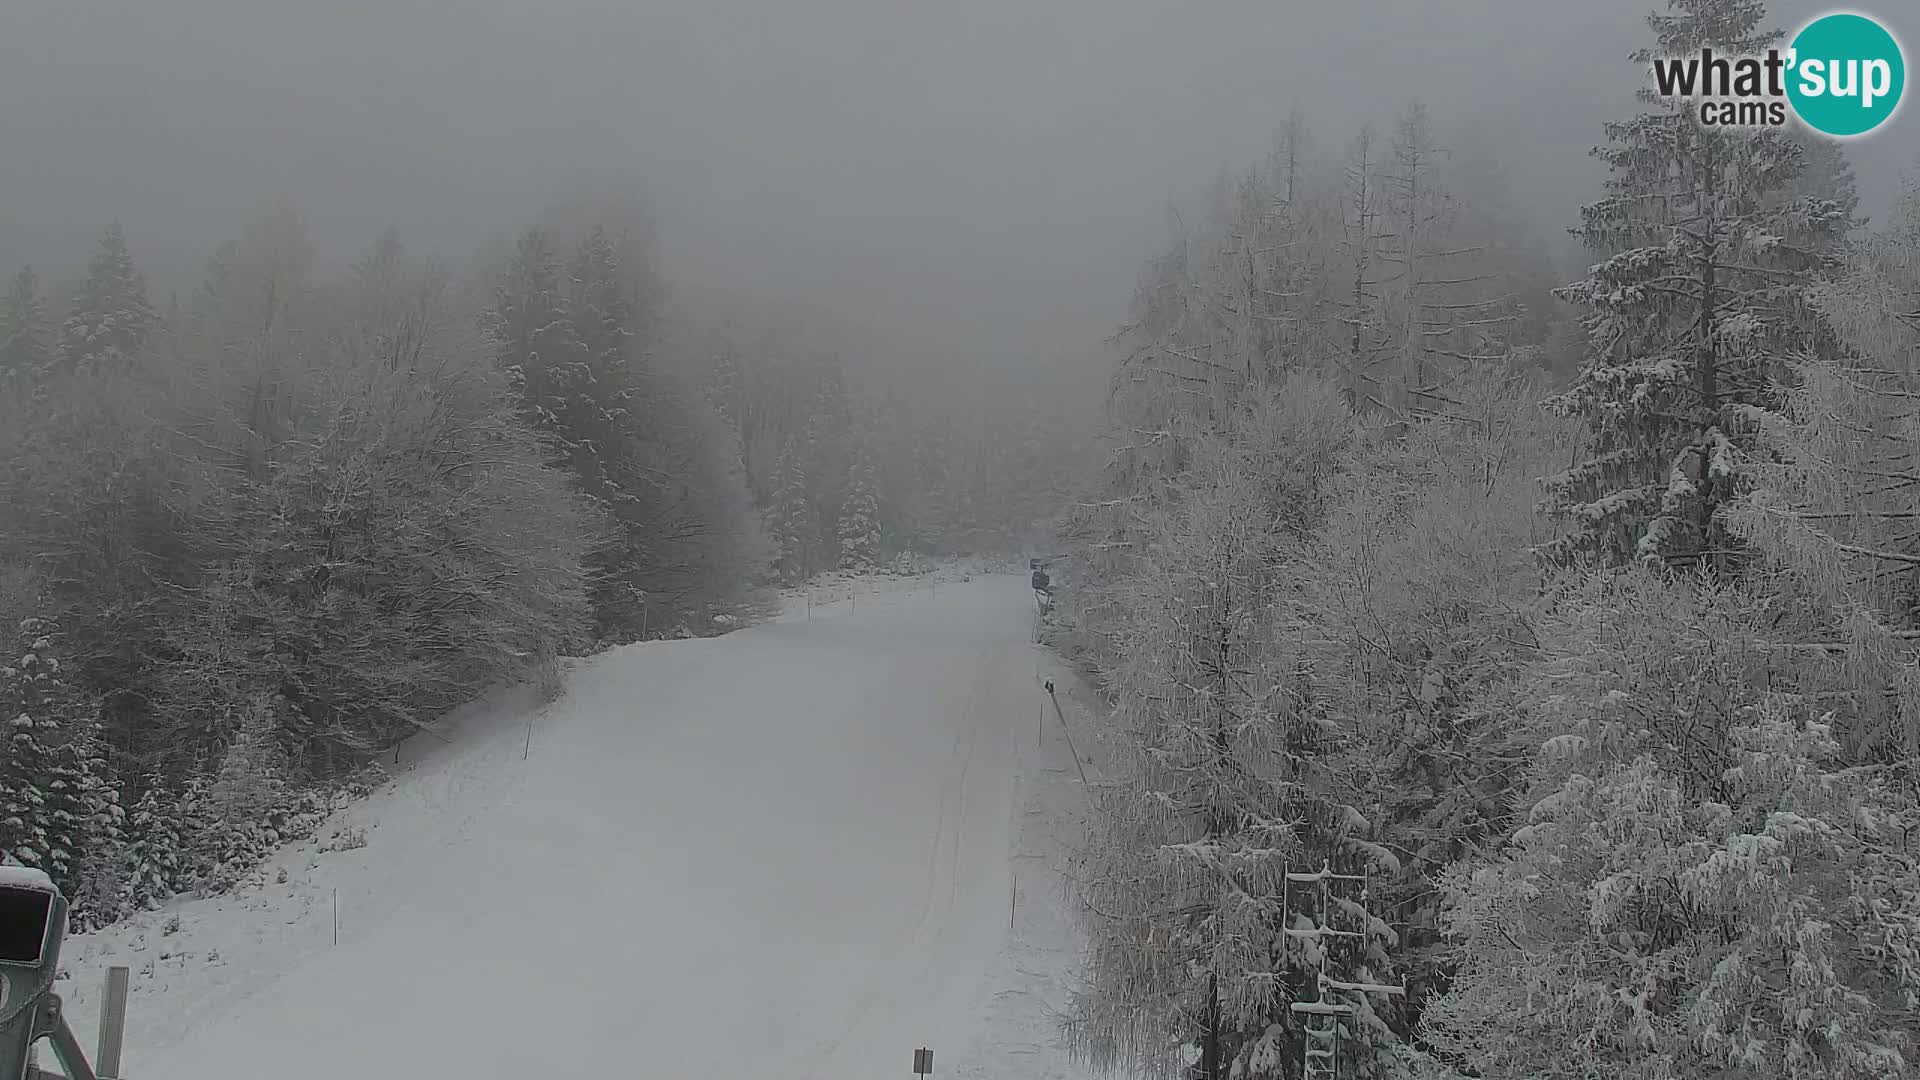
(239, 814)
(723, 393)
(156, 835)
(1699, 298)
(602, 319)
(934, 474)
(566, 349)
(534, 340)
(250, 785)
(111, 320)
(56, 807)
(825, 462)
(25, 337)
(860, 514)
(603, 428)
(791, 519)
(1825, 174)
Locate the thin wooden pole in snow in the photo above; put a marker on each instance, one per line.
(336, 916)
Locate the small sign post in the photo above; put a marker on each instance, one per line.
(113, 1025)
(923, 1062)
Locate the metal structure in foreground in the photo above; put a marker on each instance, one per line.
(33, 923)
(1326, 1022)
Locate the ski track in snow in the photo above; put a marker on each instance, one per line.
(791, 851)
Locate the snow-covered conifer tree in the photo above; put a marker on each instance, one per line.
(790, 520)
(860, 513)
(1699, 297)
(26, 346)
(111, 320)
(56, 806)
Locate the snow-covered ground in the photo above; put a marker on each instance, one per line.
(801, 850)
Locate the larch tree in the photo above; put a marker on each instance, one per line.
(1212, 791)
(1371, 350)
(1445, 313)
(1837, 500)
(1415, 602)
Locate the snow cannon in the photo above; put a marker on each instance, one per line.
(33, 923)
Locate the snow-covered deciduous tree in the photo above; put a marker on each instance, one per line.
(1213, 744)
(1833, 499)
(1699, 880)
(1444, 307)
(1416, 600)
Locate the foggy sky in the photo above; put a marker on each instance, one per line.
(990, 172)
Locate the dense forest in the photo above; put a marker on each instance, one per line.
(1577, 619)
(1573, 620)
(259, 535)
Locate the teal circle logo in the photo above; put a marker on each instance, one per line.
(1847, 74)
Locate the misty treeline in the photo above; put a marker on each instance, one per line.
(881, 479)
(259, 534)
(1578, 617)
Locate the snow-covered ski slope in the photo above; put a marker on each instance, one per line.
(793, 851)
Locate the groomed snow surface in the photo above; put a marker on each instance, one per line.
(790, 852)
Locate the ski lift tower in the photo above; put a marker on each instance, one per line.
(1324, 1020)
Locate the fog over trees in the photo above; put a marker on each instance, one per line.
(1456, 469)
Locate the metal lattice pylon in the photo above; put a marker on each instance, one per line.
(1321, 1020)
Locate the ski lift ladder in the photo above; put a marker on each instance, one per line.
(1321, 1020)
